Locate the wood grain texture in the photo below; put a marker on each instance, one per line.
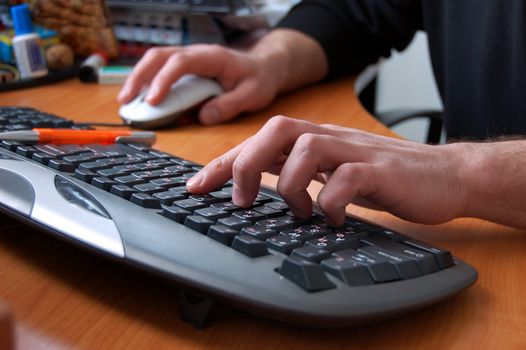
(66, 298)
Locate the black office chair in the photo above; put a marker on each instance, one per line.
(367, 97)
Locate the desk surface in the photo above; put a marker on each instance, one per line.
(64, 298)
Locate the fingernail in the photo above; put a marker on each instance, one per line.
(210, 115)
(195, 180)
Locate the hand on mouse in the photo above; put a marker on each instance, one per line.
(280, 61)
(417, 182)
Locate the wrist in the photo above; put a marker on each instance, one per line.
(489, 169)
(293, 58)
(470, 160)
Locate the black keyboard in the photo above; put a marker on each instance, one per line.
(130, 202)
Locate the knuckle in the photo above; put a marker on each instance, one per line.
(179, 58)
(279, 123)
(153, 52)
(216, 49)
(307, 144)
(332, 126)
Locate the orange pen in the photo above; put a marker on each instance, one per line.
(72, 136)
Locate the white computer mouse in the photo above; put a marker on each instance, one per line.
(189, 91)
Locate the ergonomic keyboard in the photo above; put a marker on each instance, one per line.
(130, 202)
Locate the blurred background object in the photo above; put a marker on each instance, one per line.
(140, 24)
(85, 25)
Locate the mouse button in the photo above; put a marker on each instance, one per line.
(200, 90)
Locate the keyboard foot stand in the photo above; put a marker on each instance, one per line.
(194, 308)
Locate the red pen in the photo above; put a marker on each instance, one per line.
(72, 136)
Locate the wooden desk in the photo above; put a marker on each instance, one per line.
(65, 298)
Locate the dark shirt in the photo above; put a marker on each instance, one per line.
(477, 48)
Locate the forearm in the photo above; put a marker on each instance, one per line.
(495, 176)
(294, 58)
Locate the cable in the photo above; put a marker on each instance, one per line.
(102, 124)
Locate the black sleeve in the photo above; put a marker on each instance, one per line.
(355, 33)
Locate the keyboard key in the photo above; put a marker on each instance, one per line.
(129, 180)
(42, 157)
(226, 206)
(305, 274)
(145, 200)
(180, 190)
(443, 257)
(222, 234)
(85, 175)
(168, 197)
(175, 213)
(311, 253)
(211, 213)
(111, 173)
(323, 243)
(26, 151)
(297, 233)
(344, 241)
(169, 182)
(103, 182)
(222, 195)
(178, 169)
(61, 165)
(82, 158)
(406, 267)
(205, 198)
(426, 261)
(198, 223)
(122, 191)
(190, 204)
(379, 268)
(349, 271)
(279, 224)
(11, 145)
(389, 234)
(268, 212)
(283, 243)
(262, 198)
(249, 246)
(92, 166)
(278, 205)
(249, 214)
(148, 188)
(234, 222)
(259, 232)
(316, 230)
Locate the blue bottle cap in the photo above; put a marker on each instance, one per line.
(22, 19)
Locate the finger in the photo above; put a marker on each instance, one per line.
(202, 60)
(312, 154)
(144, 71)
(261, 153)
(348, 182)
(242, 98)
(215, 173)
